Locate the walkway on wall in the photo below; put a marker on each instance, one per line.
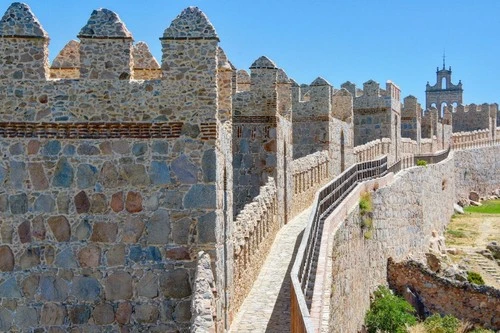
(267, 306)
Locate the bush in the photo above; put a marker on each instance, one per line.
(421, 163)
(475, 278)
(438, 324)
(365, 203)
(389, 313)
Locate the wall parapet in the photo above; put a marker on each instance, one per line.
(372, 150)
(474, 139)
(309, 174)
(203, 299)
(476, 304)
(255, 228)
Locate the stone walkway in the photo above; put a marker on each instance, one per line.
(267, 306)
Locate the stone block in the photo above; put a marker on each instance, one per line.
(63, 174)
(181, 229)
(17, 174)
(6, 319)
(98, 203)
(117, 202)
(139, 149)
(82, 203)
(116, 256)
(185, 171)
(38, 177)
(146, 313)
(44, 204)
(88, 149)
(26, 317)
(133, 203)
(160, 147)
(89, 256)
(206, 228)
(63, 200)
(103, 314)
(38, 230)
(86, 176)
(135, 174)
(104, 232)
(53, 314)
(182, 312)
(24, 232)
(118, 286)
(83, 230)
(200, 197)
(53, 289)
(29, 258)
(66, 259)
(159, 173)
(175, 283)
(133, 228)
(79, 314)
(60, 228)
(123, 313)
(51, 148)
(109, 176)
(9, 289)
(148, 285)
(18, 203)
(29, 286)
(158, 227)
(209, 166)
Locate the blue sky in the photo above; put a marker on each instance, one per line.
(356, 40)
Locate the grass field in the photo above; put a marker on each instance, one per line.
(488, 207)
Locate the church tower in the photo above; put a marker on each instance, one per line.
(444, 92)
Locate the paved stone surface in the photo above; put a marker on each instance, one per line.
(267, 307)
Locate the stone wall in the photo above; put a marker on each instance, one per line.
(471, 303)
(110, 185)
(309, 174)
(474, 117)
(254, 232)
(404, 215)
(477, 169)
(371, 150)
(203, 300)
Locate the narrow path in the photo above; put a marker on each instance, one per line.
(267, 306)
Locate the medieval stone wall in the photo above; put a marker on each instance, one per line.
(404, 215)
(474, 117)
(477, 169)
(110, 185)
(471, 303)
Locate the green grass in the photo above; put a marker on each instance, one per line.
(475, 278)
(488, 207)
(421, 163)
(456, 233)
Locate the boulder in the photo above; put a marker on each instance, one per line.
(474, 196)
(433, 262)
(458, 209)
(494, 248)
(475, 203)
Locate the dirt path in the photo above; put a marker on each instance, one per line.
(469, 234)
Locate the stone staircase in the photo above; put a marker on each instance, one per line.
(488, 266)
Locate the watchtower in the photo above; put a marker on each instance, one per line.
(444, 92)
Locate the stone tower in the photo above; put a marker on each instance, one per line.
(444, 92)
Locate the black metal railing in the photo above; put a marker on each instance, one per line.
(432, 158)
(328, 198)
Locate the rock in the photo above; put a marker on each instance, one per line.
(38, 178)
(52, 314)
(6, 259)
(452, 250)
(89, 256)
(159, 173)
(148, 285)
(433, 262)
(146, 313)
(463, 202)
(200, 196)
(38, 230)
(109, 176)
(104, 232)
(160, 147)
(63, 175)
(182, 312)
(133, 228)
(79, 314)
(120, 146)
(29, 258)
(88, 149)
(66, 259)
(9, 289)
(86, 176)
(51, 148)
(117, 203)
(139, 149)
(82, 203)
(209, 166)
(158, 227)
(116, 256)
(17, 174)
(135, 174)
(83, 230)
(60, 228)
(133, 203)
(181, 230)
(475, 203)
(487, 254)
(185, 171)
(63, 200)
(26, 317)
(44, 203)
(123, 313)
(29, 286)
(103, 314)
(494, 248)
(178, 253)
(118, 286)
(175, 283)
(98, 203)
(18, 203)
(53, 289)
(456, 273)
(206, 228)
(6, 318)
(24, 232)
(474, 196)
(458, 209)
(86, 288)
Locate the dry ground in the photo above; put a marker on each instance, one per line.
(470, 233)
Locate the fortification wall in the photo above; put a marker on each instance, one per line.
(474, 117)
(110, 185)
(477, 169)
(404, 215)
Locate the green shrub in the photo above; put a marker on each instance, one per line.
(421, 163)
(365, 203)
(475, 278)
(438, 324)
(389, 313)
